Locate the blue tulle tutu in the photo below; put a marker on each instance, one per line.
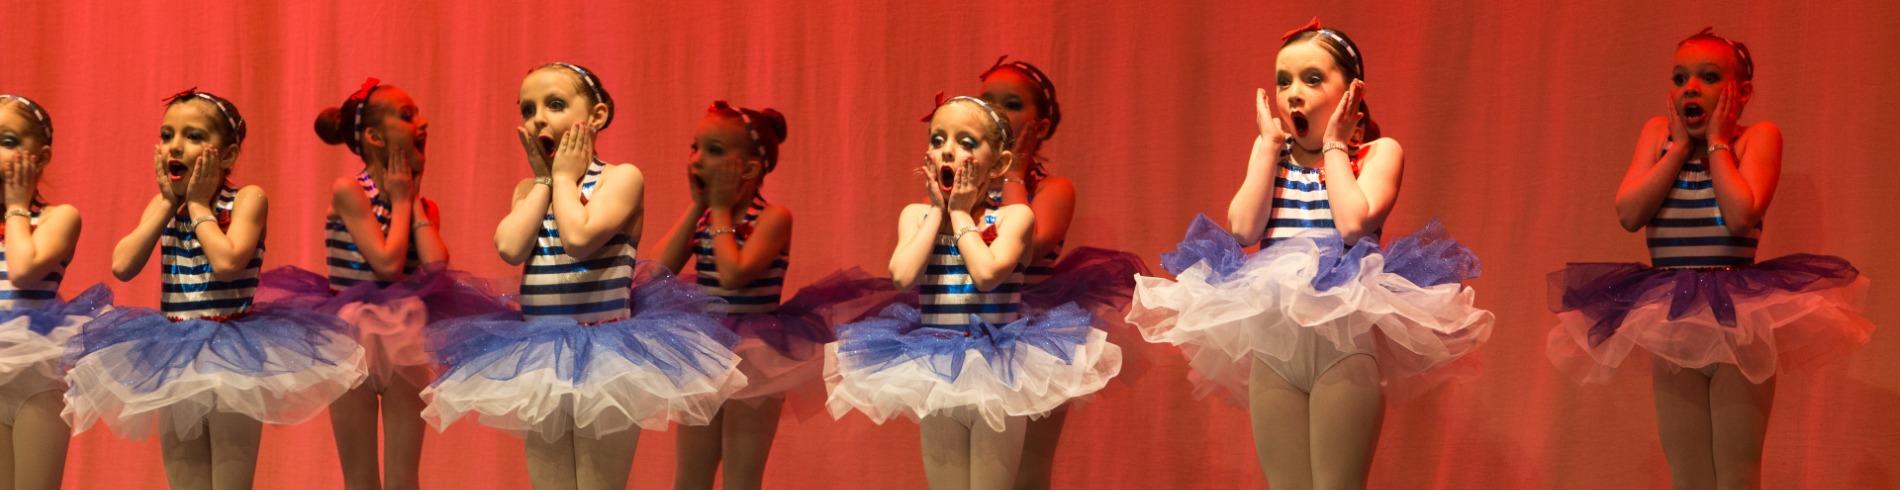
(1101, 281)
(1404, 304)
(136, 370)
(782, 353)
(670, 362)
(891, 364)
(33, 338)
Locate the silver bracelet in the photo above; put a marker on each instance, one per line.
(547, 181)
(418, 224)
(960, 232)
(200, 220)
(1719, 146)
(715, 232)
(1336, 146)
(19, 212)
(1007, 180)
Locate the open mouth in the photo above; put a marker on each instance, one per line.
(176, 170)
(1300, 124)
(422, 143)
(699, 184)
(946, 177)
(548, 145)
(1692, 113)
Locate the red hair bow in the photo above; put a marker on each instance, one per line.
(184, 94)
(1310, 26)
(933, 108)
(363, 93)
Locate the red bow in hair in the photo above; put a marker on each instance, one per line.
(1706, 31)
(174, 97)
(719, 105)
(363, 93)
(1310, 26)
(988, 234)
(933, 108)
(993, 68)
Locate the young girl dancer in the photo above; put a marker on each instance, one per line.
(380, 234)
(968, 365)
(741, 246)
(1719, 325)
(1098, 280)
(34, 323)
(1309, 328)
(208, 366)
(602, 346)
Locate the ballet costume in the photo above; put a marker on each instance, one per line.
(967, 351)
(601, 344)
(1703, 300)
(34, 327)
(781, 346)
(211, 346)
(389, 317)
(1099, 280)
(1306, 300)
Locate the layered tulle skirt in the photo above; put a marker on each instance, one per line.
(33, 338)
(390, 319)
(891, 364)
(135, 370)
(1780, 314)
(671, 361)
(1226, 308)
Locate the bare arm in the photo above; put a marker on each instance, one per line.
(917, 228)
(385, 254)
(1745, 178)
(33, 252)
(1252, 206)
(430, 248)
(514, 236)
(231, 249)
(130, 255)
(1360, 203)
(677, 248)
(992, 263)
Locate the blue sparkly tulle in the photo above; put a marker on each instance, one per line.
(1429, 257)
(658, 335)
(162, 349)
(896, 336)
(44, 318)
(671, 362)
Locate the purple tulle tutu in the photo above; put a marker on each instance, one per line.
(32, 339)
(136, 370)
(1780, 314)
(389, 319)
(890, 364)
(782, 353)
(1101, 281)
(1403, 304)
(670, 362)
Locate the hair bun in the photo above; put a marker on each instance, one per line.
(329, 126)
(778, 122)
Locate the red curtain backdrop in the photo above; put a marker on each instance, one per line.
(1517, 117)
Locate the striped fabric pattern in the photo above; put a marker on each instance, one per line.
(346, 263)
(586, 289)
(188, 289)
(949, 295)
(762, 295)
(34, 293)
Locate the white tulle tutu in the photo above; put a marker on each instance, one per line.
(670, 362)
(1225, 307)
(890, 365)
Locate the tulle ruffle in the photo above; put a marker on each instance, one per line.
(1779, 314)
(32, 339)
(670, 362)
(891, 365)
(389, 319)
(1101, 281)
(136, 371)
(1403, 303)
